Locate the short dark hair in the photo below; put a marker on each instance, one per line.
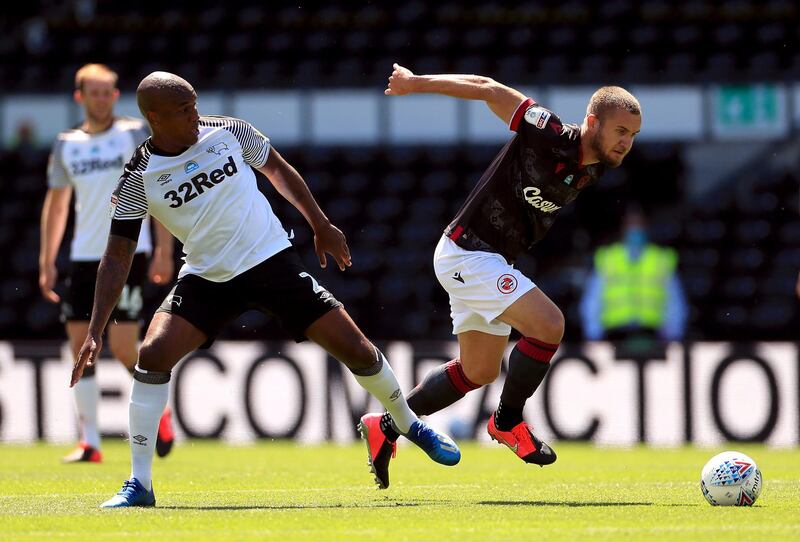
(610, 98)
(89, 71)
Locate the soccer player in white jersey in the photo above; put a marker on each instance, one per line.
(88, 161)
(194, 175)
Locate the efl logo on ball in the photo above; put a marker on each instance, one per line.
(731, 479)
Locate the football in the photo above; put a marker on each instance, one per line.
(731, 479)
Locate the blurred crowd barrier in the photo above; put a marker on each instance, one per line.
(701, 393)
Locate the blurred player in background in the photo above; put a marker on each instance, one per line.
(540, 170)
(195, 176)
(89, 160)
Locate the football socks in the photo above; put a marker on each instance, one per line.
(381, 382)
(527, 366)
(149, 396)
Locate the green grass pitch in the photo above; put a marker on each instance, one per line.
(282, 491)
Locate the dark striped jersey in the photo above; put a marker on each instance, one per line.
(531, 179)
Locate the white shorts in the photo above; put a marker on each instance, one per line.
(481, 285)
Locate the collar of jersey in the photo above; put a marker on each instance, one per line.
(155, 150)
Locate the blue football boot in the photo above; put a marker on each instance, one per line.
(132, 493)
(438, 446)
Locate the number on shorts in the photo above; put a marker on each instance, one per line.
(314, 283)
(130, 299)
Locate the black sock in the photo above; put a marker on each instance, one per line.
(506, 417)
(440, 388)
(527, 366)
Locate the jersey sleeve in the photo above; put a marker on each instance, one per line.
(57, 175)
(255, 145)
(536, 125)
(129, 200)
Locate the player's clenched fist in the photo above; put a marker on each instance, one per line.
(400, 81)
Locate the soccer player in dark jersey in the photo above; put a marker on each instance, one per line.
(544, 167)
(195, 176)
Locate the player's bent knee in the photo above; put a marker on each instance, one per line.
(548, 326)
(555, 326)
(152, 357)
(481, 374)
(359, 356)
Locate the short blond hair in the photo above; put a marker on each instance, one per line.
(606, 99)
(95, 71)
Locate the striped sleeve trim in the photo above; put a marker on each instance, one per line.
(129, 200)
(517, 117)
(255, 145)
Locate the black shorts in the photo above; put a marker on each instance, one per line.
(78, 301)
(280, 286)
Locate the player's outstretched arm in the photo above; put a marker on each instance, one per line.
(502, 100)
(289, 184)
(55, 212)
(111, 276)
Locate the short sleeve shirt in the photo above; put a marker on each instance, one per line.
(207, 197)
(91, 164)
(531, 179)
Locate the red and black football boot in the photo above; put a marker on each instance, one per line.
(83, 454)
(380, 450)
(166, 436)
(521, 440)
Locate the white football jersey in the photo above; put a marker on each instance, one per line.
(208, 198)
(92, 165)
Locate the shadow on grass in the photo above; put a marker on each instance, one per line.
(572, 504)
(293, 506)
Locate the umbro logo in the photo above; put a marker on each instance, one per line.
(173, 299)
(164, 179)
(395, 394)
(457, 276)
(141, 440)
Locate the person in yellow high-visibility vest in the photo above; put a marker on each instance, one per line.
(634, 290)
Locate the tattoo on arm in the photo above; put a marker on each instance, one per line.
(111, 277)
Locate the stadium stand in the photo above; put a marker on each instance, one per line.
(322, 44)
(739, 246)
(739, 253)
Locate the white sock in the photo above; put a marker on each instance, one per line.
(147, 405)
(87, 395)
(384, 387)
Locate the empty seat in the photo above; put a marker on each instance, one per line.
(753, 231)
(745, 259)
(705, 232)
(790, 234)
(704, 258)
(740, 288)
(774, 313)
(342, 210)
(384, 209)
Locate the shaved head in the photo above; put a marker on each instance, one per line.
(169, 103)
(162, 88)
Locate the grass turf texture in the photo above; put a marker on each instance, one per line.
(282, 491)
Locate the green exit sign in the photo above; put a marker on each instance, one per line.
(756, 111)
